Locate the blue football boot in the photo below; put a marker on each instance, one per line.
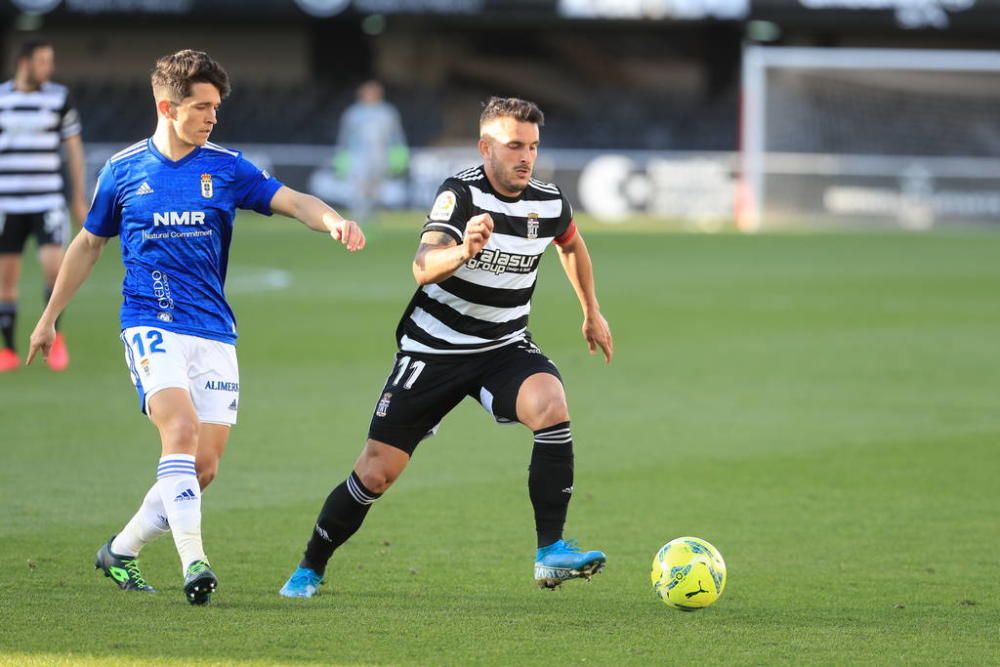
(564, 560)
(304, 583)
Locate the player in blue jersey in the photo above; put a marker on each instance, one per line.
(172, 200)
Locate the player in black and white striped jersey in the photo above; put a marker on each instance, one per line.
(465, 333)
(485, 303)
(37, 120)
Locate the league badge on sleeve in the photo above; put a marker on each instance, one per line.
(444, 206)
(206, 186)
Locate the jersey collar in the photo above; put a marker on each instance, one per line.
(167, 161)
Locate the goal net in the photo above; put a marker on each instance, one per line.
(869, 136)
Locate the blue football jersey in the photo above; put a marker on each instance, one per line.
(175, 220)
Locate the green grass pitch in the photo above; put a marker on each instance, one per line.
(825, 409)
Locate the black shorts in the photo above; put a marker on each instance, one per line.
(422, 389)
(48, 228)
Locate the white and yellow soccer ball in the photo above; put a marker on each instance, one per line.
(688, 574)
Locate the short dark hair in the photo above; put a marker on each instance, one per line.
(27, 48)
(511, 107)
(176, 74)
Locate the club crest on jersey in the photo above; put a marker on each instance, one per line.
(383, 405)
(206, 186)
(532, 225)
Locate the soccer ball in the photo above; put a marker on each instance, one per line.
(688, 574)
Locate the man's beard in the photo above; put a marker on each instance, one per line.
(509, 175)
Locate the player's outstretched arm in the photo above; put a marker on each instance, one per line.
(576, 262)
(439, 256)
(314, 214)
(80, 258)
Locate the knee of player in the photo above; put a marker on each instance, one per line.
(377, 479)
(181, 434)
(207, 473)
(551, 410)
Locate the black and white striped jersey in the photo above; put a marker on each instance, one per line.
(485, 304)
(33, 126)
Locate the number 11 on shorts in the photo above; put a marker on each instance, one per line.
(416, 367)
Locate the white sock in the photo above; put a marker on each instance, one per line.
(177, 484)
(149, 523)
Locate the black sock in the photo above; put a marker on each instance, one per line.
(8, 320)
(342, 514)
(46, 295)
(550, 480)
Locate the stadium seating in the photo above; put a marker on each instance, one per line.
(610, 118)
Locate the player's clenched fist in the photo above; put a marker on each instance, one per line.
(349, 233)
(477, 233)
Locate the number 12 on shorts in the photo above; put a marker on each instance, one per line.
(415, 368)
(155, 339)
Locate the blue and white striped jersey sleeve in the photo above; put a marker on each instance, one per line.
(104, 218)
(255, 188)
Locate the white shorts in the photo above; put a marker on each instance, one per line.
(205, 368)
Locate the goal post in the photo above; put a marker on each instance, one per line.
(869, 136)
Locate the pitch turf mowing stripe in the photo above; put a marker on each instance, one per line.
(821, 408)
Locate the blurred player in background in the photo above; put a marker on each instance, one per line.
(370, 147)
(172, 199)
(37, 118)
(465, 334)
